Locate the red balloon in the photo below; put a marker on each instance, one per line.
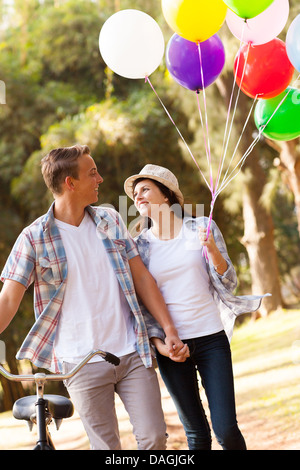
(268, 71)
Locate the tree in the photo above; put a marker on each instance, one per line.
(289, 166)
(59, 91)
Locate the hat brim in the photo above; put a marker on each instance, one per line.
(128, 186)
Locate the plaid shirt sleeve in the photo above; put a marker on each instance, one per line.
(229, 278)
(21, 262)
(222, 287)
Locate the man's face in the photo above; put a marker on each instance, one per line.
(87, 184)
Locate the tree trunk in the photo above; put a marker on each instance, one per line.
(259, 238)
(289, 164)
(258, 224)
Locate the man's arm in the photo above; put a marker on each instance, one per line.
(10, 298)
(152, 298)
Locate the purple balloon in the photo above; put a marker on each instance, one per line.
(183, 61)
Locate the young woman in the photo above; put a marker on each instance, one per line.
(197, 288)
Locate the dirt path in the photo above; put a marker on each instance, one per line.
(71, 435)
(261, 432)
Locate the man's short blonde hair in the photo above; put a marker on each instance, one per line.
(60, 163)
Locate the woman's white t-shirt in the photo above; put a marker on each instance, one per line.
(178, 266)
(95, 313)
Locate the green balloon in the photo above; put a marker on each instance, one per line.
(284, 124)
(248, 8)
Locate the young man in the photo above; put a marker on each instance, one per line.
(86, 269)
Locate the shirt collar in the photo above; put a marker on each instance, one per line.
(96, 214)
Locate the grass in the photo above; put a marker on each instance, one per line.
(266, 358)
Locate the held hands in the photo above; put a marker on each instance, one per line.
(179, 355)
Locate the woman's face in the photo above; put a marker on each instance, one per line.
(148, 197)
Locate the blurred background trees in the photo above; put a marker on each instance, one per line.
(59, 92)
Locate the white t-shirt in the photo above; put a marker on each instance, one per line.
(95, 313)
(178, 266)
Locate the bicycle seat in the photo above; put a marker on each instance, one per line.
(59, 407)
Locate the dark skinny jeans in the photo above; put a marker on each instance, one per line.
(211, 356)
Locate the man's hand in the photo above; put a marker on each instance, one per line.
(172, 341)
(181, 355)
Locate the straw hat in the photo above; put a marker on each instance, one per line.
(157, 173)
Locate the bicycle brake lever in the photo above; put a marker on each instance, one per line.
(109, 357)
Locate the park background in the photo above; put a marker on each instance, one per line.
(58, 91)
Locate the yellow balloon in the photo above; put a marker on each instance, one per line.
(194, 20)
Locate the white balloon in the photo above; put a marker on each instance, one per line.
(131, 44)
(263, 27)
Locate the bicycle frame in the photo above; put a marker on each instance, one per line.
(44, 441)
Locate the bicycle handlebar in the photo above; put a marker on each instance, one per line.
(42, 377)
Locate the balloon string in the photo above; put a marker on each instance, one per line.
(214, 192)
(226, 177)
(208, 151)
(205, 253)
(222, 160)
(181, 136)
(234, 83)
(232, 119)
(202, 125)
(207, 146)
(241, 162)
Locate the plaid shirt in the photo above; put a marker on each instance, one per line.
(221, 286)
(38, 256)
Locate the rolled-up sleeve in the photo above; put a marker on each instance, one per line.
(229, 278)
(21, 262)
(154, 330)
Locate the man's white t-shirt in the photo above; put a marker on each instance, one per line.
(178, 266)
(95, 313)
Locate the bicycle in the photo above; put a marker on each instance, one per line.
(40, 409)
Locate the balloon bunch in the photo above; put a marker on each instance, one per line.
(278, 117)
(132, 45)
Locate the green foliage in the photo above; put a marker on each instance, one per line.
(59, 92)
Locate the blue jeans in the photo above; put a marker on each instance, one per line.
(211, 356)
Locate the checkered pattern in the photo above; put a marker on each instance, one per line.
(38, 256)
(221, 286)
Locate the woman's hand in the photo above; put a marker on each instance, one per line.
(220, 264)
(162, 348)
(207, 241)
